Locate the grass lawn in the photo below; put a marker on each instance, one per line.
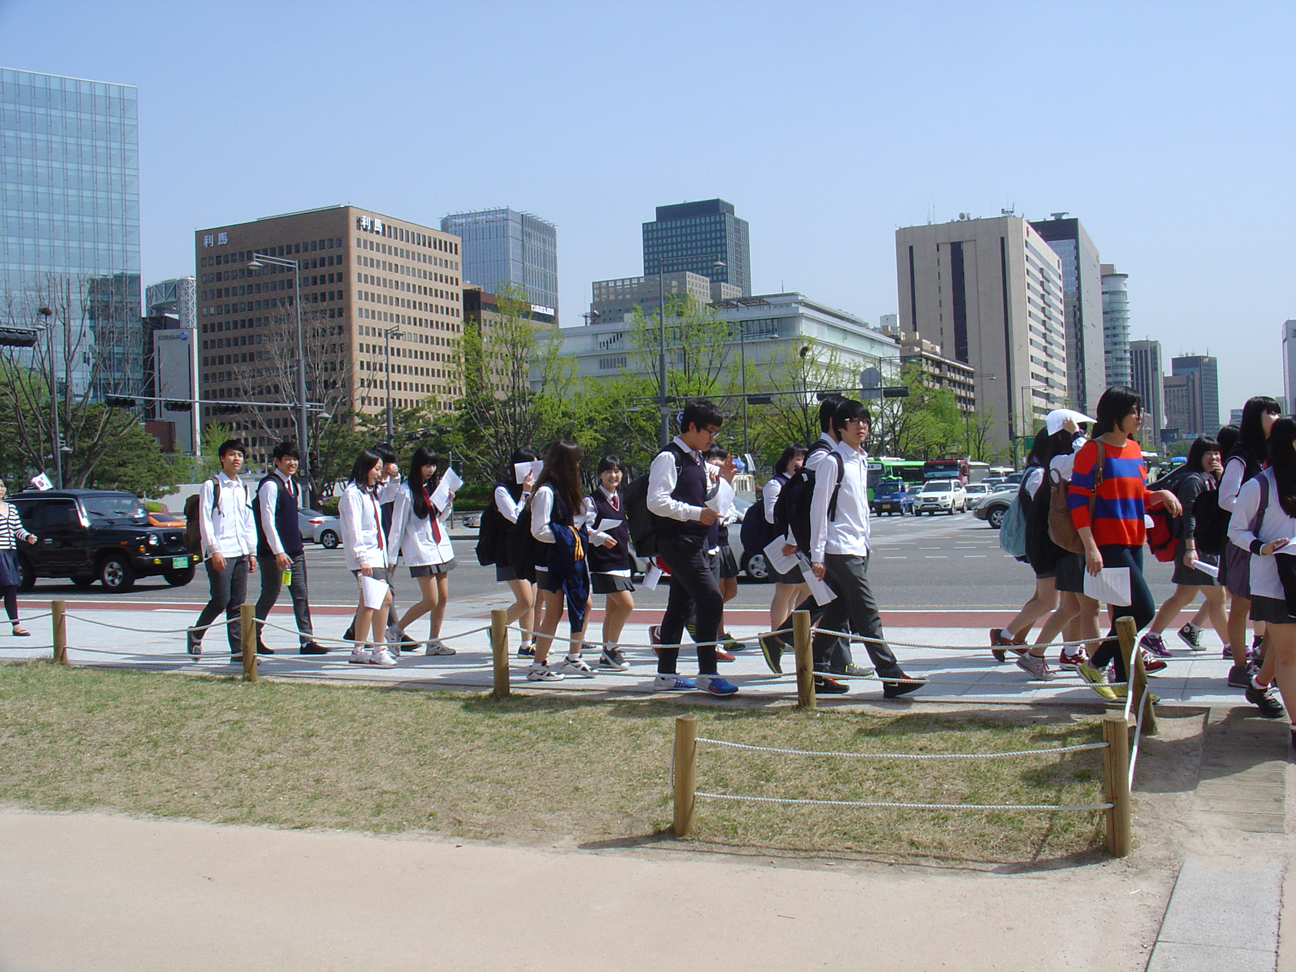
(538, 768)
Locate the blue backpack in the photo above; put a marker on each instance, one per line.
(1012, 533)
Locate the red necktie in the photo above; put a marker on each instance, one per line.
(436, 528)
(616, 502)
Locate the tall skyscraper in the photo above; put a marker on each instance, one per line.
(1147, 378)
(69, 223)
(1202, 372)
(989, 293)
(1082, 299)
(1289, 361)
(503, 246)
(696, 236)
(1116, 342)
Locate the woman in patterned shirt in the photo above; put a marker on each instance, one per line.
(11, 531)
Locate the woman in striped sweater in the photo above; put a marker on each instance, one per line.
(11, 531)
(1110, 519)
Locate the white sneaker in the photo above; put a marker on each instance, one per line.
(360, 656)
(574, 666)
(438, 647)
(394, 634)
(382, 657)
(543, 673)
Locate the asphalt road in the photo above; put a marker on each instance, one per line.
(936, 563)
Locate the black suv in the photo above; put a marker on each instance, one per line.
(98, 535)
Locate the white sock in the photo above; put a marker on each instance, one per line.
(1194, 628)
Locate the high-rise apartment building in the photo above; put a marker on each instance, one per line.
(615, 300)
(504, 247)
(1289, 360)
(705, 238)
(1082, 300)
(382, 310)
(69, 223)
(1147, 378)
(989, 293)
(1202, 371)
(1115, 314)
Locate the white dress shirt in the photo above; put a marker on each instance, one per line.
(848, 531)
(361, 524)
(508, 507)
(1274, 525)
(229, 529)
(268, 497)
(662, 479)
(412, 536)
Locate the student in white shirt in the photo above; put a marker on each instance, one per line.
(421, 533)
(364, 543)
(789, 588)
(839, 553)
(228, 542)
(513, 500)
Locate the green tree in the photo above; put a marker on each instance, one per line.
(696, 342)
(134, 462)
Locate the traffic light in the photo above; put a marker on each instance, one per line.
(119, 401)
(228, 409)
(178, 406)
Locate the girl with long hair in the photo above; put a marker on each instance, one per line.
(789, 588)
(512, 499)
(557, 513)
(609, 559)
(421, 532)
(1109, 519)
(363, 543)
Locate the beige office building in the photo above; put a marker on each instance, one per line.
(988, 293)
(363, 275)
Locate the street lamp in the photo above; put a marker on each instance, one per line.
(967, 412)
(258, 261)
(388, 334)
(57, 448)
(663, 403)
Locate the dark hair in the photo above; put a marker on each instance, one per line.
(1197, 452)
(520, 454)
(1116, 402)
(1251, 437)
(786, 456)
(231, 445)
(386, 452)
(716, 452)
(698, 415)
(367, 459)
(287, 449)
(1228, 436)
(826, 408)
(849, 408)
(1282, 460)
(608, 463)
(423, 456)
(561, 473)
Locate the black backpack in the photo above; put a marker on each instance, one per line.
(757, 532)
(642, 523)
(490, 533)
(193, 527)
(522, 550)
(792, 509)
(1210, 523)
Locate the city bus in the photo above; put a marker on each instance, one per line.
(888, 467)
(946, 469)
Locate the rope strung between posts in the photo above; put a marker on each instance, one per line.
(517, 626)
(224, 622)
(1080, 747)
(915, 644)
(905, 806)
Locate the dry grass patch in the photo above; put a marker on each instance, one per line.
(551, 768)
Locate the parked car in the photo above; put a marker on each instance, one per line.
(472, 521)
(976, 492)
(892, 496)
(993, 507)
(328, 533)
(940, 496)
(98, 535)
(308, 522)
(165, 518)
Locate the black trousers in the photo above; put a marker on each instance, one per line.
(228, 592)
(1142, 608)
(848, 575)
(693, 587)
(272, 586)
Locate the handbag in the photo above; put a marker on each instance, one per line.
(1061, 527)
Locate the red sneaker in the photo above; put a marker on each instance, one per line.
(998, 643)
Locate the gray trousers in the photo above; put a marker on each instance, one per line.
(272, 585)
(848, 576)
(228, 592)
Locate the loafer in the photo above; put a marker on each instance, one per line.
(893, 690)
(313, 648)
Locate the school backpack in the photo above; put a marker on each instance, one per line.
(792, 508)
(757, 532)
(490, 531)
(1061, 527)
(193, 527)
(1012, 530)
(641, 522)
(1163, 534)
(1210, 523)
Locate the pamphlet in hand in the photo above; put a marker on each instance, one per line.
(1207, 569)
(450, 482)
(652, 578)
(523, 469)
(1111, 586)
(819, 590)
(373, 591)
(774, 556)
(723, 499)
(607, 526)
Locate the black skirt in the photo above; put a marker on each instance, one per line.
(9, 576)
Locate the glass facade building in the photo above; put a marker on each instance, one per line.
(1082, 299)
(1116, 326)
(69, 222)
(693, 236)
(503, 246)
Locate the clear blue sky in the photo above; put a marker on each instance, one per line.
(1167, 128)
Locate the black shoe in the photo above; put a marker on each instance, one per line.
(823, 685)
(772, 648)
(193, 642)
(1239, 676)
(236, 659)
(409, 644)
(263, 650)
(893, 690)
(1266, 700)
(313, 648)
(350, 634)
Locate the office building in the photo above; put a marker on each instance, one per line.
(989, 293)
(703, 237)
(1147, 378)
(495, 367)
(939, 371)
(504, 247)
(1289, 359)
(170, 363)
(69, 223)
(1202, 372)
(616, 300)
(1178, 395)
(1115, 315)
(1083, 304)
(382, 309)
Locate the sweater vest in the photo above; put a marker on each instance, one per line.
(285, 520)
(602, 559)
(691, 488)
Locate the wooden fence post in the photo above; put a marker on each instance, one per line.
(686, 727)
(247, 620)
(499, 652)
(804, 659)
(1127, 634)
(59, 622)
(1116, 784)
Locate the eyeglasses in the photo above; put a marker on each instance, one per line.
(858, 421)
(713, 432)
